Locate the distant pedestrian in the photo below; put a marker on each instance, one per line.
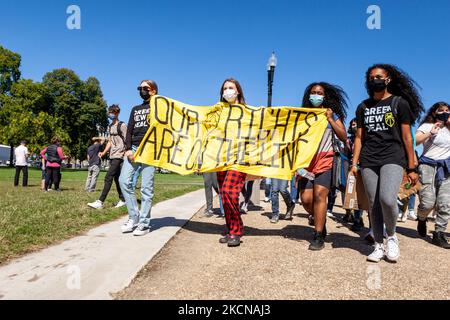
(53, 156)
(94, 165)
(22, 154)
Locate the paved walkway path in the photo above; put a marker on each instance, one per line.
(101, 262)
(274, 262)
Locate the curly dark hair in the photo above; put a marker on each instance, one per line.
(401, 85)
(335, 98)
(429, 117)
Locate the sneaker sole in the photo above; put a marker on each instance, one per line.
(392, 260)
(316, 249)
(140, 234)
(97, 208)
(373, 259)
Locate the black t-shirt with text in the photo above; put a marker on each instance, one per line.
(137, 125)
(382, 142)
(92, 152)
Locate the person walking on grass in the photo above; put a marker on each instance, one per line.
(116, 148)
(53, 156)
(138, 219)
(314, 190)
(21, 153)
(434, 168)
(384, 147)
(94, 165)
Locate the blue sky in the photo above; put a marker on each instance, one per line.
(189, 47)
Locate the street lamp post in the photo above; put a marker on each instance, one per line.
(270, 73)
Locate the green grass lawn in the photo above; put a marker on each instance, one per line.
(31, 219)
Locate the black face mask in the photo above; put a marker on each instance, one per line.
(442, 116)
(377, 85)
(145, 95)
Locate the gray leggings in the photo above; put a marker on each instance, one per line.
(382, 185)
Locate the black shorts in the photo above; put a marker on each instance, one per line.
(322, 179)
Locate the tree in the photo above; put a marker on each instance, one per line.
(24, 117)
(79, 105)
(9, 69)
(9, 74)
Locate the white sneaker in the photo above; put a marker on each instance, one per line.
(412, 215)
(97, 204)
(129, 226)
(120, 204)
(266, 199)
(377, 254)
(392, 249)
(141, 230)
(330, 214)
(404, 217)
(244, 207)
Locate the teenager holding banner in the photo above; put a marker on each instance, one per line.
(139, 220)
(314, 193)
(384, 147)
(231, 182)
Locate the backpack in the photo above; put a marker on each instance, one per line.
(52, 154)
(119, 131)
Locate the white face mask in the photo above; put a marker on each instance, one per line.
(230, 95)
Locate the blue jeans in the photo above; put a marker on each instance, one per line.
(126, 180)
(294, 190)
(280, 186)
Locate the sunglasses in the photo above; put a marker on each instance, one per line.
(144, 88)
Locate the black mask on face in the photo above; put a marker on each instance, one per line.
(377, 85)
(145, 95)
(442, 116)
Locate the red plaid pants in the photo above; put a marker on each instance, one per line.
(230, 185)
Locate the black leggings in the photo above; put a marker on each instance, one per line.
(247, 190)
(53, 175)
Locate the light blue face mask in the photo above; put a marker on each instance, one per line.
(316, 99)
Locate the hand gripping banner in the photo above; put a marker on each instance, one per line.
(268, 142)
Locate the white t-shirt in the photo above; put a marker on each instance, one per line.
(21, 153)
(437, 147)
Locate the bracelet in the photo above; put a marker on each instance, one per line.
(411, 170)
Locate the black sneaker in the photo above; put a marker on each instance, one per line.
(358, 225)
(318, 242)
(224, 239)
(311, 220)
(234, 241)
(422, 228)
(289, 212)
(440, 240)
(348, 218)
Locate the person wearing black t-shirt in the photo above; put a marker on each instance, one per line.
(384, 147)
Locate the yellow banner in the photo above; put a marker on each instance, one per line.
(269, 142)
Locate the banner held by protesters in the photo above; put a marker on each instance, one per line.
(269, 142)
